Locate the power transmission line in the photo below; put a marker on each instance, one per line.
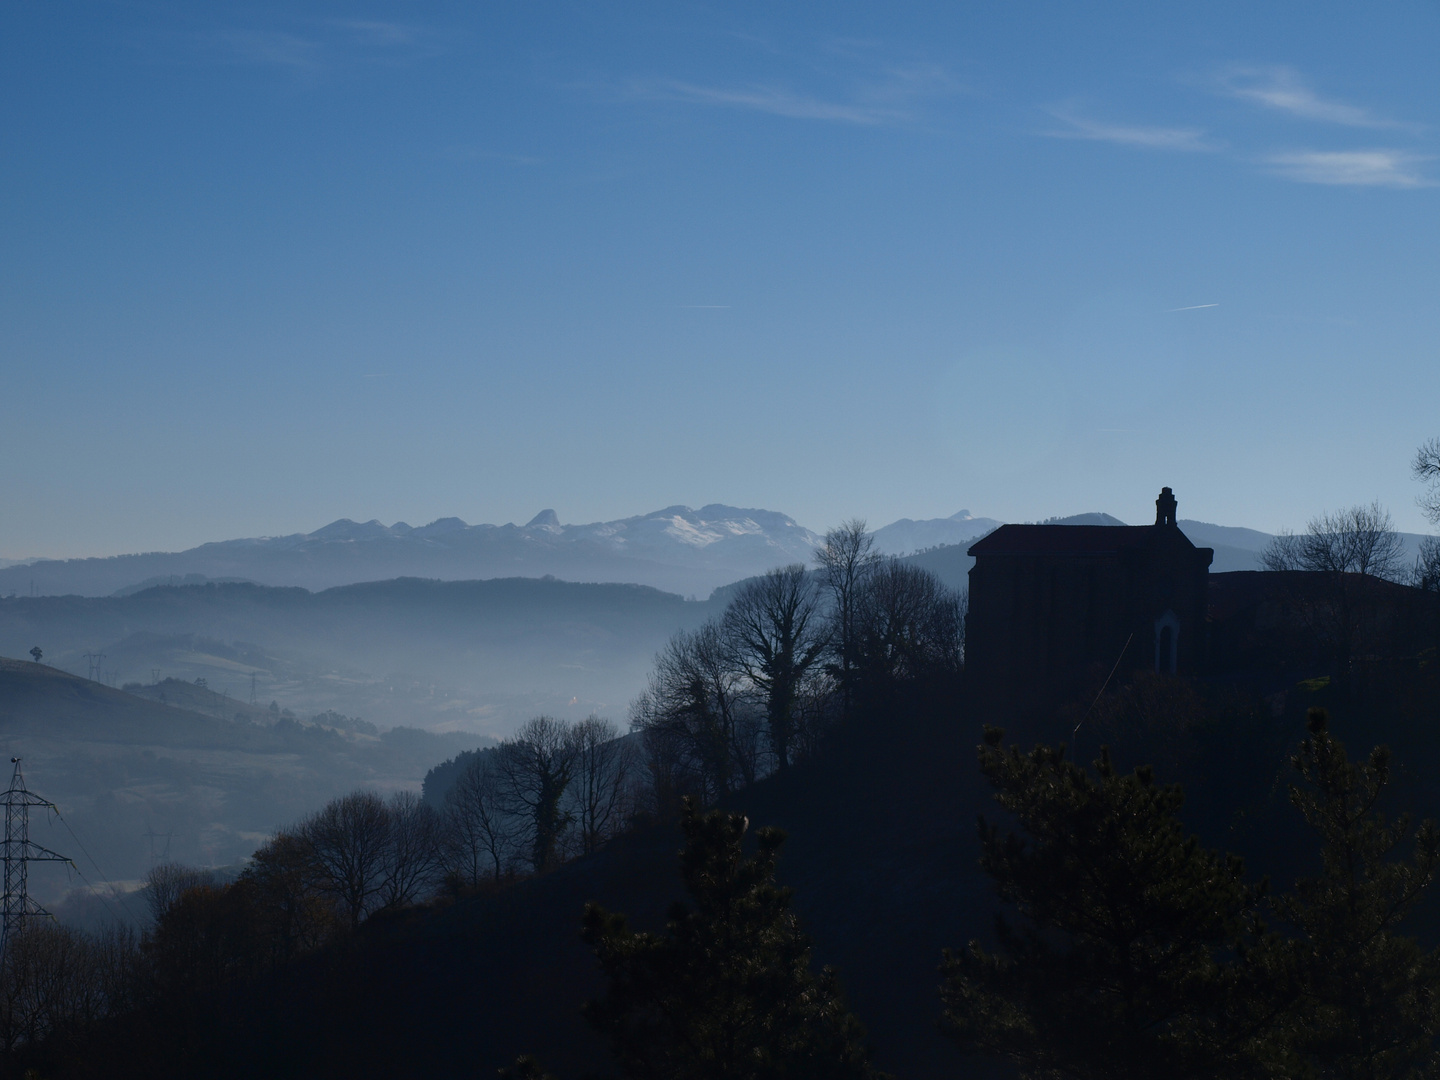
(152, 835)
(19, 853)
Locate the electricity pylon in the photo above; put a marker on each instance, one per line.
(152, 835)
(19, 853)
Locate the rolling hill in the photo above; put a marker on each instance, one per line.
(138, 779)
(478, 656)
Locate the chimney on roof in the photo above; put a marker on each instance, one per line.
(1165, 508)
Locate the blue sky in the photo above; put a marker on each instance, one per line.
(264, 267)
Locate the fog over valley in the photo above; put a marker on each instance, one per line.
(573, 541)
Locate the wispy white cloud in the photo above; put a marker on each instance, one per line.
(905, 84)
(1353, 168)
(310, 46)
(774, 100)
(381, 33)
(1193, 140)
(863, 86)
(271, 47)
(1283, 89)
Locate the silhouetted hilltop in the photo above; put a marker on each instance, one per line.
(880, 854)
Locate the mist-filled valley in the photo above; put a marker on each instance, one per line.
(571, 541)
(422, 778)
(217, 712)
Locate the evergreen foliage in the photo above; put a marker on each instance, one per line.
(1136, 954)
(728, 990)
(1368, 1006)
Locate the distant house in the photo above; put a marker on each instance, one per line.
(1054, 608)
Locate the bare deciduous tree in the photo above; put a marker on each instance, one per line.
(699, 728)
(536, 767)
(480, 834)
(349, 840)
(1360, 540)
(413, 854)
(1426, 467)
(54, 978)
(1343, 551)
(846, 560)
(601, 784)
(1425, 574)
(285, 882)
(908, 626)
(774, 634)
(166, 882)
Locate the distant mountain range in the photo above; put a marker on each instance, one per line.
(679, 550)
(905, 536)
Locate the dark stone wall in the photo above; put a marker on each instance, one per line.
(1046, 627)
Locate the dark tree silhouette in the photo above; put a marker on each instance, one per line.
(907, 626)
(36, 653)
(1369, 1006)
(600, 788)
(55, 980)
(536, 766)
(167, 881)
(698, 726)
(728, 990)
(1340, 551)
(1360, 540)
(480, 836)
(348, 842)
(1426, 467)
(773, 629)
(413, 852)
(284, 882)
(1426, 572)
(846, 559)
(1120, 967)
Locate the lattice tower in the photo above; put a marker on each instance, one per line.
(18, 853)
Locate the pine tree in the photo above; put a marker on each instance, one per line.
(728, 990)
(1136, 953)
(1369, 1001)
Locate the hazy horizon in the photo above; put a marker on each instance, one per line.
(1140, 518)
(269, 267)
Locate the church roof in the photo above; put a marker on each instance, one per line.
(1072, 539)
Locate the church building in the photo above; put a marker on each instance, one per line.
(1055, 608)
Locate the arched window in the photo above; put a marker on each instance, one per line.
(1167, 643)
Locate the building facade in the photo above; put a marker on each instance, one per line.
(1055, 608)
